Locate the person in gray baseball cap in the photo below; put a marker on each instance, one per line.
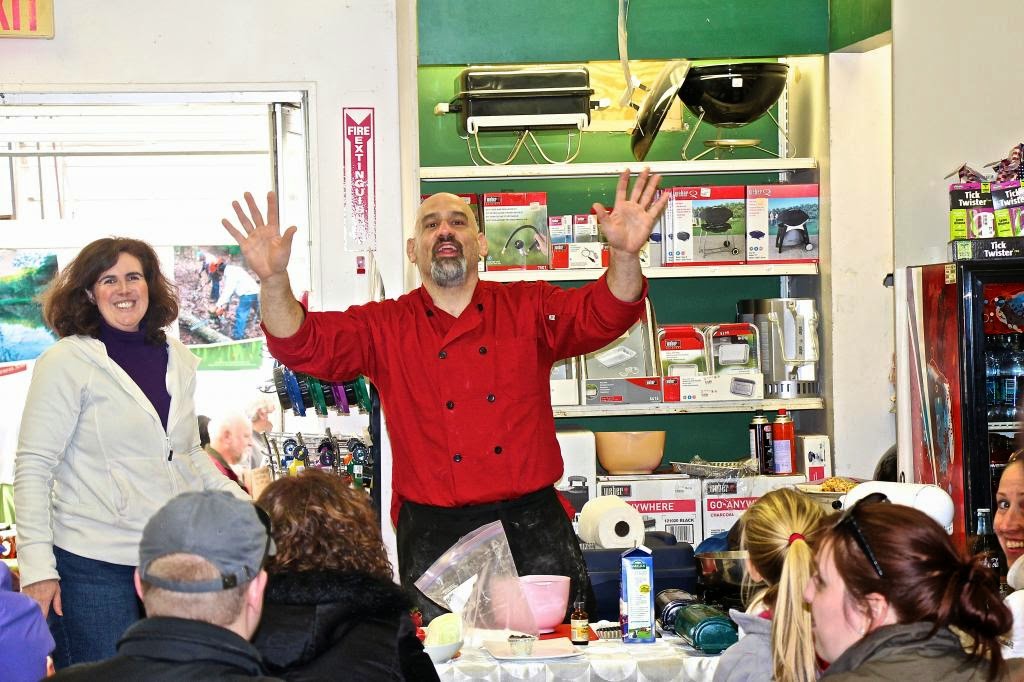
(201, 580)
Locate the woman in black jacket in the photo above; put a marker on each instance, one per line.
(331, 606)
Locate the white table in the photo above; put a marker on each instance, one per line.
(667, 660)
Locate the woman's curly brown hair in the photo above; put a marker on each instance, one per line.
(320, 524)
(68, 311)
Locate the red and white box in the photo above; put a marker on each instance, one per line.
(709, 225)
(584, 228)
(723, 500)
(783, 223)
(814, 456)
(668, 502)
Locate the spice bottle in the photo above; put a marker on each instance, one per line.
(579, 624)
(784, 443)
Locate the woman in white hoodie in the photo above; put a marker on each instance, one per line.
(108, 435)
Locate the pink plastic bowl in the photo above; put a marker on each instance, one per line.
(548, 597)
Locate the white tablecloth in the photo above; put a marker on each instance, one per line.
(667, 660)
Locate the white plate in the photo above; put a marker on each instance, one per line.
(560, 647)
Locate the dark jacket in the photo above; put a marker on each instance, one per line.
(157, 649)
(329, 625)
(903, 652)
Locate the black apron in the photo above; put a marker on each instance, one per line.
(538, 530)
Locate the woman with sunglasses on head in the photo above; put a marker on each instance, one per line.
(1008, 525)
(108, 435)
(331, 609)
(777, 531)
(891, 594)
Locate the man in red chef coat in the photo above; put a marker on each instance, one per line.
(462, 367)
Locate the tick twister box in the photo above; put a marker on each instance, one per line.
(668, 502)
(723, 500)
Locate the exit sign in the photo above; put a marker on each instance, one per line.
(26, 18)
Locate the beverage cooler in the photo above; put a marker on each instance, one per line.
(959, 360)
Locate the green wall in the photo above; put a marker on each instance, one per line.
(521, 31)
(854, 20)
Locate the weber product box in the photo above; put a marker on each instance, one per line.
(578, 484)
(626, 370)
(678, 236)
(560, 229)
(723, 500)
(473, 201)
(1008, 208)
(987, 249)
(970, 211)
(814, 457)
(516, 225)
(782, 223)
(733, 348)
(715, 218)
(747, 385)
(587, 255)
(681, 349)
(584, 228)
(667, 502)
(636, 602)
(565, 382)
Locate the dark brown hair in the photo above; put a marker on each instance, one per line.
(68, 311)
(320, 523)
(926, 578)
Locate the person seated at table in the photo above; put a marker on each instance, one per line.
(776, 531)
(332, 607)
(893, 599)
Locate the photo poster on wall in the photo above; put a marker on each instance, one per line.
(218, 307)
(24, 275)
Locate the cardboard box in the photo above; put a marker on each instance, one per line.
(636, 602)
(626, 370)
(723, 500)
(971, 215)
(740, 386)
(679, 225)
(584, 228)
(587, 255)
(682, 350)
(560, 229)
(987, 249)
(715, 217)
(559, 256)
(733, 348)
(516, 225)
(782, 223)
(667, 502)
(1008, 208)
(814, 457)
(565, 382)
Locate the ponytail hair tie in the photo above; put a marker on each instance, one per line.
(796, 536)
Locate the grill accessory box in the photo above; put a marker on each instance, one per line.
(667, 502)
(673, 568)
(782, 223)
(714, 218)
(516, 98)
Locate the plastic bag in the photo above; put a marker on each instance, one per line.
(477, 578)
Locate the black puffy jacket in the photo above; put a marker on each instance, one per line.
(334, 625)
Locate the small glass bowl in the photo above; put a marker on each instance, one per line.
(521, 645)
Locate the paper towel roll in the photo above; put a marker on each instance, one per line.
(609, 522)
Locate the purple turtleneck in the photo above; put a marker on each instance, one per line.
(145, 363)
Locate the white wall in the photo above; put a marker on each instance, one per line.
(344, 54)
(860, 152)
(956, 98)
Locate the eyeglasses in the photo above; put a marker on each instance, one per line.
(849, 520)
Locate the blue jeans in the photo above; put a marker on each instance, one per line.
(246, 304)
(99, 603)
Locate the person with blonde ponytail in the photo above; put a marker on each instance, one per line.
(893, 599)
(778, 530)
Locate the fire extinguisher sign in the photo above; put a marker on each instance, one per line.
(360, 179)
